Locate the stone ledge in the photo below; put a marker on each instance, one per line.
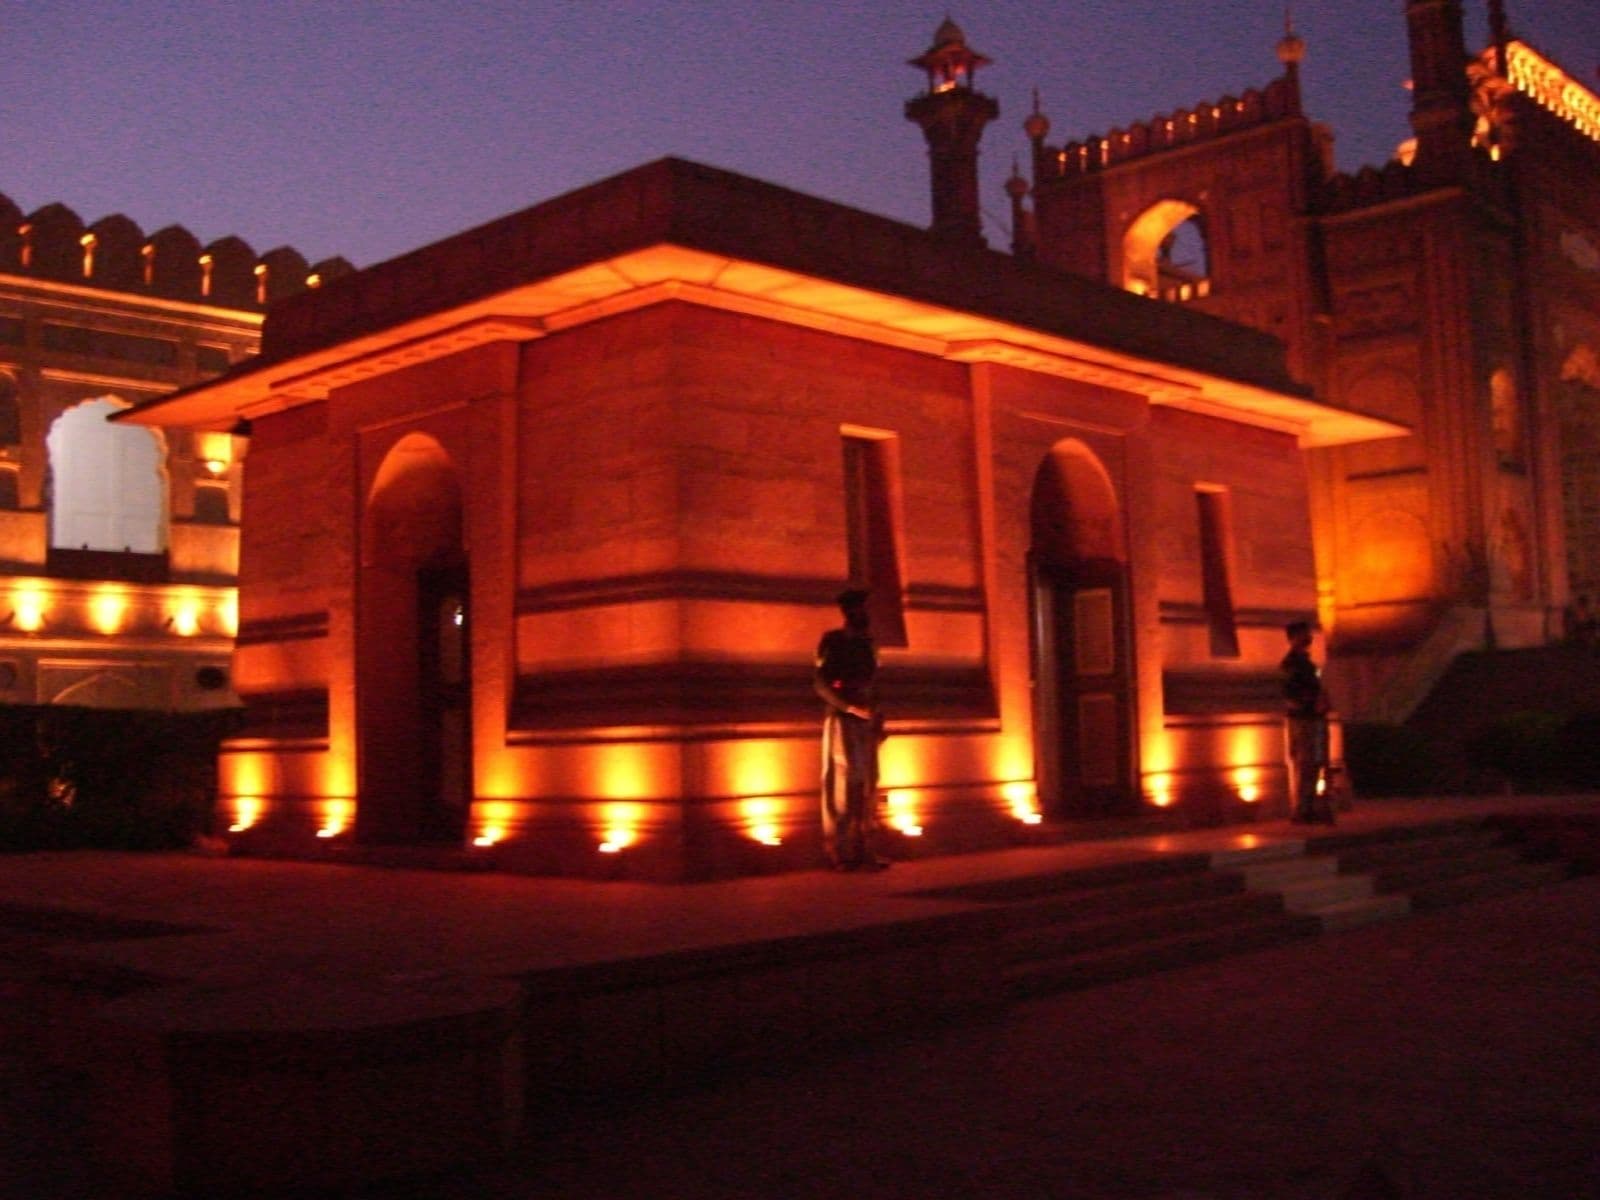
(302, 1084)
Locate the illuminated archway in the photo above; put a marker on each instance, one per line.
(1084, 726)
(1578, 405)
(108, 483)
(413, 700)
(1166, 254)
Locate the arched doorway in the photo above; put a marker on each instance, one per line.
(1082, 654)
(1166, 253)
(413, 699)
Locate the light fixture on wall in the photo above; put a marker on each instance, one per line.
(28, 610)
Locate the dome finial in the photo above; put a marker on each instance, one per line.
(1291, 47)
(1037, 125)
(949, 62)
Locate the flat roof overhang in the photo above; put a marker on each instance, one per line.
(669, 272)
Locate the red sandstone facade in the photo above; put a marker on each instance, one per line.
(1455, 291)
(544, 522)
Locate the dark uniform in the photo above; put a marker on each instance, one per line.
(847, 662)
(1307, 718)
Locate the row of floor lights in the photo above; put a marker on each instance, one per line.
(760, 813)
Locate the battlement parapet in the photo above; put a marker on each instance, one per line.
(1185, 127)
(114, 253)
(1345, 192)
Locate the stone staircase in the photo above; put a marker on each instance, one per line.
(1077, 930)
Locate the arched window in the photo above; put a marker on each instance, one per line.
(108, 483)
(1165, 253)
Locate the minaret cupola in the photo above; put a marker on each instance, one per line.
(952, 116)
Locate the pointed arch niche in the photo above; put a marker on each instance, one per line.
(1081, 649)
(413, 732)
(1166, 253)
(108, 483)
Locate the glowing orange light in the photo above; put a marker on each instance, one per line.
(496, 819)
(760, 816)
(246, 812)
(1161, 791)
(1022, 796)
(29, 607)
(245, 774)
(1547, 85)
(901, 803)
(107, 610)
(336, 818)
(186, 618)
(621, 827)
(1247, 783)
(628, 772)
(228, 614)
(215, 451)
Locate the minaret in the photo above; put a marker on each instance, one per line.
(1499, 35)
(1441, 100)
(1024, 241)
(1291, 53)
(952, 116)
(1037, 127)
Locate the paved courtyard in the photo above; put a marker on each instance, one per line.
(1448, 1055)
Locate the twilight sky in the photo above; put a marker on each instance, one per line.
(369, 127)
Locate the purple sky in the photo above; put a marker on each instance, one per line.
(369, 127)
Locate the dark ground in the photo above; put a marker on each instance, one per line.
(1449, 1056)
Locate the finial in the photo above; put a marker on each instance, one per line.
(1037, 125)
(1291, 47)
(1016, 186)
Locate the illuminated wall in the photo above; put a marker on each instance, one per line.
(654, 539)
(656, 490)
(1399, 295)
(114, 593)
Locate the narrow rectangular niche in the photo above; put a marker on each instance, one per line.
(1216, 569)
(876, 533)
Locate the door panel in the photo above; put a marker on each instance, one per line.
(1083, 675)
